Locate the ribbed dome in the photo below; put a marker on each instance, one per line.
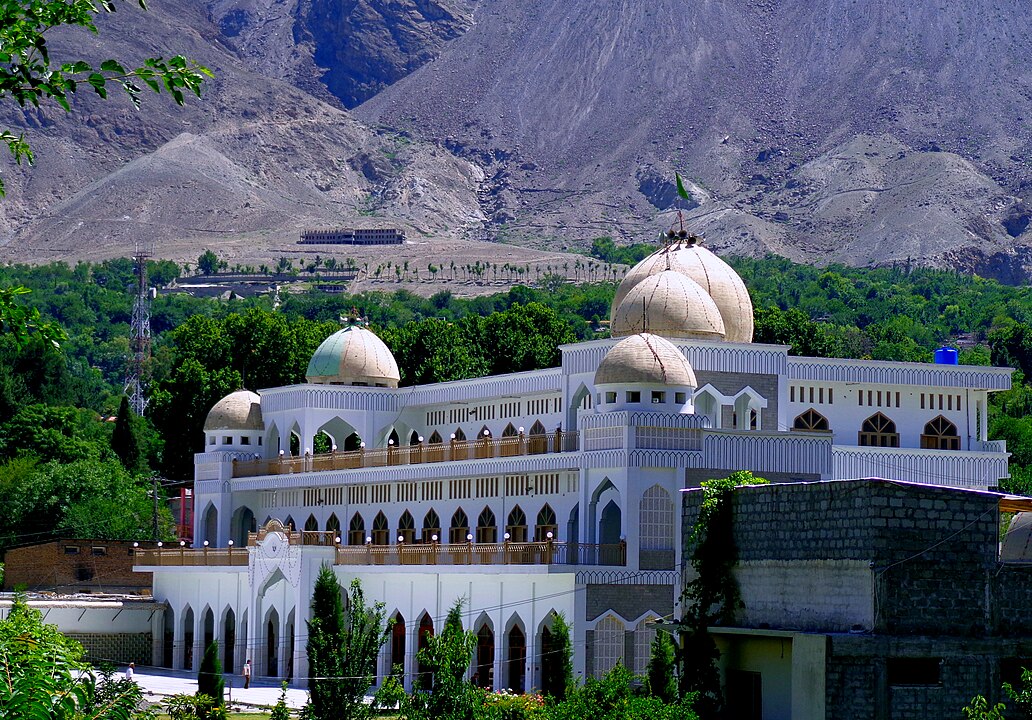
(645, 359)
(353, 356)
(668, 304)
(715, 276)
(240, 410)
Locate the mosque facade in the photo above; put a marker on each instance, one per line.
(535, 493)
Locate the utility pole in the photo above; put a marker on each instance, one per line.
(155, 530)
(139, 339)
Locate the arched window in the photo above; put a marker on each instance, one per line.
(459, 527)
(656, 536)
(510, 441)
(333, 525)
(546, 523)
(414, 438)
(878, 431)
(435, 438)
(356, 531)
(609, 644)
(425, 632)
(459, 435)
(381, 530)
(644, 634)
(940, 434)
(517, 525)
(487, 527)
(509, 431)
(431, 526)
(352, 442)
(406, 527)
(311, 524)
(811, 421)
(485, 432)
(537, 444)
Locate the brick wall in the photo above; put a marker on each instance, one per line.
(75, 566)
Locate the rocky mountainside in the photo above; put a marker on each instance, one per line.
(240, 170)
(868, 133)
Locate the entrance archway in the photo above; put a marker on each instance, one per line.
(272, 637)
(229, 641)
(483, 675)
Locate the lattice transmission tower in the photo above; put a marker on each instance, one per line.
(139, 337)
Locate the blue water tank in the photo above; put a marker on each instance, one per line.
(947, 356)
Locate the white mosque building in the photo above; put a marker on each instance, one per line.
(534, 493)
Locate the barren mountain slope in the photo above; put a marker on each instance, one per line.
(254, 157)
(779, 111)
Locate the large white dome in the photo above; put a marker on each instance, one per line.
(353, 356)
(240, 410)
(668, 304)
(715, 276)
(645, 359)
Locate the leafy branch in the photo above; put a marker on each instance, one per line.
(30, 77)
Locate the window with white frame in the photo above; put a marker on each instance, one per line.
(656, 520)
(644, 634)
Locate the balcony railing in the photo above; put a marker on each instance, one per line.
(519, 445)
(191, 557)
(509, 553)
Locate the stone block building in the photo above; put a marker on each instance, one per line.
(76, 566)
(873, 599)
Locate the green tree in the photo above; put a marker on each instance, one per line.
(613, 697)
(280, 710)
(53, 433)
(446, 658)
(713, 597)
(557, 667)
(662, 681)
(342, 649)
(979, 709)
(209, 677)
(125, 442)
(45, 676)
(1021, 696)
(208, 262)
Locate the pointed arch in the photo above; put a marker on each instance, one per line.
(208, 624)
(609, 644)
(940, 434)
(352, 442)
(483, 669)
(272, 642)
(431, 526)
(211, 524)
(396, 658)
(228, 640)
(537, 442)
(241, 525)
(415, 438)
(643, 635)
(811, 421)
(381, 530)
(516, 655)
(459, 528)
(356, 530)
(573, 525)
(435, 438)
(485, 433)
(580, 400)
(546, 523)
(487, 527)
(289, 524)
(187, 634)
(656, 535)
(878, 431)
(333, 525)
(423, 635)
(516, 525)
(406, 528)
(311, 524)
(509, 431)
(458, 435)
(392, 438)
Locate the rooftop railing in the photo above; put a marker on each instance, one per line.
(191, 557)
(481, 449)
(507, 553)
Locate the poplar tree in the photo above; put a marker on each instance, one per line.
(557, 667)
(343, 643)
(125, 441)
(662, 682)
(209, 678)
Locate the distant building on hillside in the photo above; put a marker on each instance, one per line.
(76, 566)
(352, 236)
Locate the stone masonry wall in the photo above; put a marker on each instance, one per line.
(75, 566)
(931, 549)
(629, 601)
(730, 383)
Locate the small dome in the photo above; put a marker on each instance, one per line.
(645, 359)
(353, 356)
(668, 304)
(716, 277)
(240, 410)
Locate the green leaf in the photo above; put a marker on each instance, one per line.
(98, 82)
(112, 66)
(680, 188)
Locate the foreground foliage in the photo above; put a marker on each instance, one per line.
(44, 676)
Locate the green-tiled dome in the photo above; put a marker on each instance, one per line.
(353, 356)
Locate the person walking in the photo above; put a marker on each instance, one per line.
(247, 674)
(129, 671)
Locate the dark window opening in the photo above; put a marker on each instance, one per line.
(915, 671)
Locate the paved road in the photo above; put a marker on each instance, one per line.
(158, 684)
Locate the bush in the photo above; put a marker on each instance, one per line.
(507, 706)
